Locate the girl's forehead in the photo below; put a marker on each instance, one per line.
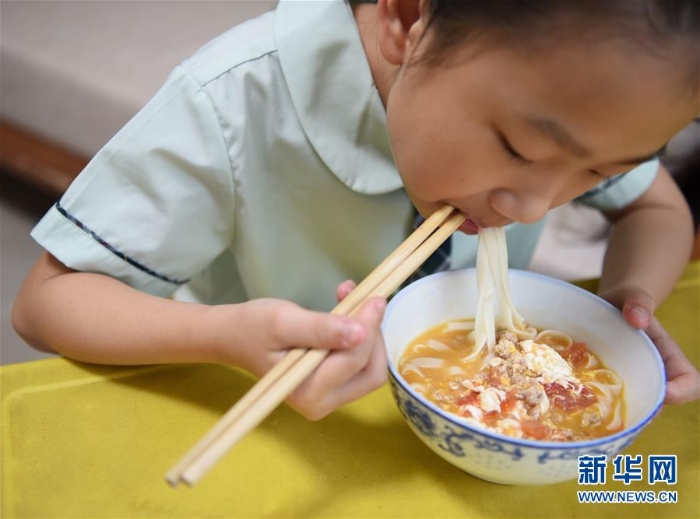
(602, 82)
(597, 94)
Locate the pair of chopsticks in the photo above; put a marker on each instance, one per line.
(299, 363)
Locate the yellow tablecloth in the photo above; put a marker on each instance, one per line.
(90, 441)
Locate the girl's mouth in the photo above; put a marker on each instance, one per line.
(469, 227)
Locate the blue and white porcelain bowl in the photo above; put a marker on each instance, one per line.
(545, 303)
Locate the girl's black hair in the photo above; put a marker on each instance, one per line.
(661, 27)
(671, 19)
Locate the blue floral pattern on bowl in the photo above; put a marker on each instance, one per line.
(487, 455)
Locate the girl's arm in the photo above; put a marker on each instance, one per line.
(651, 241)
(648, 249)
(94, 318)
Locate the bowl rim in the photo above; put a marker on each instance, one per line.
(534, 444)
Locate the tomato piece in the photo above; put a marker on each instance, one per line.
(566, 399)
(535, 430)
(508, 402)
(471, 398)
(491, 417)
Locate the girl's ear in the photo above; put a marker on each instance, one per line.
(400, 24)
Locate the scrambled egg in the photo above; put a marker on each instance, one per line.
(523, 369)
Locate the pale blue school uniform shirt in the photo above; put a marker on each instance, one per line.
(262, 168)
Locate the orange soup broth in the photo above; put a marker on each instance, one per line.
(569, 414)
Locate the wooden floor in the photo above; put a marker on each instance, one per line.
(38, 162)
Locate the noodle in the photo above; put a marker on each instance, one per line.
(523, 388)
(492, 283)
(453, 326)
(617, 419)
(615, 383)
(554, 338)
(437, 345)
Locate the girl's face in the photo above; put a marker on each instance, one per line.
(504, 135)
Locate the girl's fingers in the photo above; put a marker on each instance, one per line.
(316, 397)
(342, 366)
(683, 377)
(636, 305)
(307, 403)
(684, 388)
(299, 328)
(372, 377)
(638, 310)
(344, 289)
(659, 336)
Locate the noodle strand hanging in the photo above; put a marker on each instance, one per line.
(494, 289)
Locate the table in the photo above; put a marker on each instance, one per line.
(80, 440)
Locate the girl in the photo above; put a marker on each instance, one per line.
(287, 155)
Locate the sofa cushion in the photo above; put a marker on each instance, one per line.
(74, 72)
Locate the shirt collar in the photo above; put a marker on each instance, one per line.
(334, 94)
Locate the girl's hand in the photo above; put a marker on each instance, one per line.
(638, 310)
(355, 366)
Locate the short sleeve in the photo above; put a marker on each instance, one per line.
(155, 206)
(620, 191)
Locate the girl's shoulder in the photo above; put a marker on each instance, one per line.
(244, 43)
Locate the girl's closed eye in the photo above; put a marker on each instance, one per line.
(515, 156)
(511, 152)
(597, 175)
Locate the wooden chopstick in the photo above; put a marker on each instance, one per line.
(298, 364)
(353, 299)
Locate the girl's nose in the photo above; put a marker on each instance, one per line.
(522, 207)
